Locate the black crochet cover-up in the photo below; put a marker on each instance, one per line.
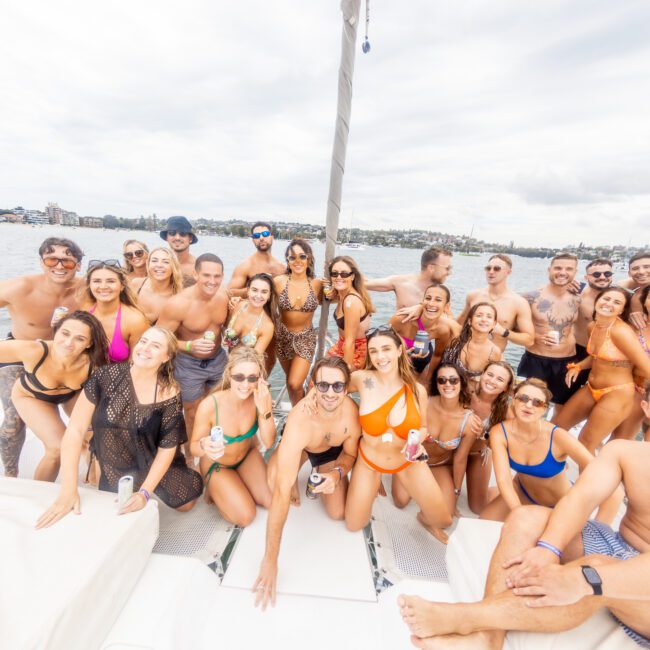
(127, 435)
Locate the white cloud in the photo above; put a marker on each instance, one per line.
(526, 120)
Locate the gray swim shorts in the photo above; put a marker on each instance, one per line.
(601, 539)
(194, 376)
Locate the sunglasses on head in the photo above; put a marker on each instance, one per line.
(452, 381)
(343, 274)
(524, 399)
(597, 274)
(264, 233)
(302, 257)
(241, 377)
(139, 253)
(93, 264)
(380, 329)
(324, 386)
(51, 262)
(173, 233)
(494, 268)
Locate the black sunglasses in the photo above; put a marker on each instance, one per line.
(496, 269)
(524, 399)
(139, 253)
(293, 258)
(343, 274)
(324, 386)
(264, 233)
(93, 264)
(182, 233)
(451, 380)
(67, 264)
(597, 274)
(240, 377)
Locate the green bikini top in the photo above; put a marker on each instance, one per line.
(229, 440)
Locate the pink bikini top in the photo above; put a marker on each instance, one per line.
(118, 350)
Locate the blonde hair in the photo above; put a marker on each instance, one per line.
(358, 281)
(127, 297)
(176, 280)
(128, 242)
(240, 354)
(166, 371)
(404, 367)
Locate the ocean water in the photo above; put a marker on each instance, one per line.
(19, 254)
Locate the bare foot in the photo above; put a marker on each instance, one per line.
(295, 495)
(425, 618)
(477, 641)
(438, 533)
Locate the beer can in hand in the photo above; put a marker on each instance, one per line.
(216, 434)
(412, 444)
(314, 480)
(555, 335)
(124, 491)
(58, 314)
(209, 335)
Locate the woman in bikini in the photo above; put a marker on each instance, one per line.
(491, 403)
(137, 419)
(234, 470)
(53, 374)
(352, 313)
(541, 449)
(391, 404)
(433, 320)
(135, 258)
(449, 421)
(614, 350)
(473, 349)
(251, 324)
(164, 279)
(299, 294)
(630, 427)
(109, 298)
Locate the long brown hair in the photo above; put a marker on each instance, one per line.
(270, 306)
(308, 251)
(127, 297)
(453, 350)
(176, 279)
(358, 281)
(464, 397)
(98, 350)
(625, 315)
(499, 410)
(239, 355)
(403, 363)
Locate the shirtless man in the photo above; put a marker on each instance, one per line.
(178, 234)
(514, 319)
(330, 438)
(639, 272)
(189, 314)
(261, 261)
(555, 309)
(598, 275)
(600, 567)
(435, 266)
(30, 300)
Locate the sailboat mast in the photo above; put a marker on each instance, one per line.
(350, 11)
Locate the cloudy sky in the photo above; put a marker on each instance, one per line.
(529, 120)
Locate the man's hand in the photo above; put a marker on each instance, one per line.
(574, 288)
(59, 509)
(529, 563)
(264, 586)
(330, 483)
(202, 346)
(555, 585)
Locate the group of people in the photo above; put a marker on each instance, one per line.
(162, 369)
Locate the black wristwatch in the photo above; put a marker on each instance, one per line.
(506, 334)
(592, 577)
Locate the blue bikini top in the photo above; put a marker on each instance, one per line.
(546, 469)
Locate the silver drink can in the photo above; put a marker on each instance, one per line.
(314, 480)
(412, 444)
(209, 335)
(58, 314)
(555, 335)
(216, 434)
(124, 490)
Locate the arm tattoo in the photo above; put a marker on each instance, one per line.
(369, 383)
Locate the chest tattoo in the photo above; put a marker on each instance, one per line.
(369, 383)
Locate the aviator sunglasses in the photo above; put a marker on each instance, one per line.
(324, 386)
(92, 264)
(264, 233)
(451, 380)
(343, 274)
(51, 263)
(241, 377)
(524, 399)
(495, 268)
(597, 274)
(139, 253)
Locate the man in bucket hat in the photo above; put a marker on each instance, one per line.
(178, 234)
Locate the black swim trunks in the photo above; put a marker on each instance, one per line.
(323, 457)
(552, 370)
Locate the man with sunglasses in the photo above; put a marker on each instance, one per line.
(261, 261)
(31, 301)
(178, 234)
(435, 267)
(329, 437)
(514, 317)
(198, 309)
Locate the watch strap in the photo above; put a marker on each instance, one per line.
(596, 585)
